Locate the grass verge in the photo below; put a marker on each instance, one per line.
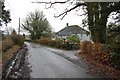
(9, 53)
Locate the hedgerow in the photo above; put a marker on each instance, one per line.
(108, 54)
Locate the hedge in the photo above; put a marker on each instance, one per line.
(58, 43)
(48, 42)
(11, 40)
(108, 54)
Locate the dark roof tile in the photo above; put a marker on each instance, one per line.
(74, 29)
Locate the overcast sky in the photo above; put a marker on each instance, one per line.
(20, 8)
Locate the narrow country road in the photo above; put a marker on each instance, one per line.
(46, 64)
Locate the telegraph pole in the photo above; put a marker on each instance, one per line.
(19, 27)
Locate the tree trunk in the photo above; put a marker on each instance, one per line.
(103, 22)
(97, 20)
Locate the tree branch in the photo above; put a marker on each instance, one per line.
(62, 2)
(113, 8)
(65, 12)
(53, 2)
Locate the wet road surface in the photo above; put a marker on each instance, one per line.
(46, 64)
(70, 55)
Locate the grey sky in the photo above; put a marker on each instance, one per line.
(19, 9)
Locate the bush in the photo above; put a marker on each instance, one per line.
(76, 46)
(74, 38)
(58, 43)
(100, 55)
(115, 56)
(89, 48)
(17, 39)
(11, 40)
(103, 53)
(83, 46)
(52, 43)
(115, 60)
(66, 46)
(112, 54)
(7, 44)
(29, 40)
(43, 41)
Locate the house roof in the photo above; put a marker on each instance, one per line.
(69, 30)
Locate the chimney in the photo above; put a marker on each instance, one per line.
(66, 24)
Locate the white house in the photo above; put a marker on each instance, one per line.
(73, 29)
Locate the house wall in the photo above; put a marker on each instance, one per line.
(61, 37)
(84, 37)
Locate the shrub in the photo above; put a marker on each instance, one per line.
(101, 55)
(52, 43)
(37, 41)
(58, 39)
(100, 52)
(115, 56)
(74, 38)
(43, 41)
(115, 60)
(30, 41)
(89, 48)
(11, 40)
(76, 46)
(104, 53)
(17, 39)
(83, 46)
(7, 44)
(58, 43)
(66, 45)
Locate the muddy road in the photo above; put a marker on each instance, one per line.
(17, 66)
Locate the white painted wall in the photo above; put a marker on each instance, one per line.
(83, 37)
(61, 37)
